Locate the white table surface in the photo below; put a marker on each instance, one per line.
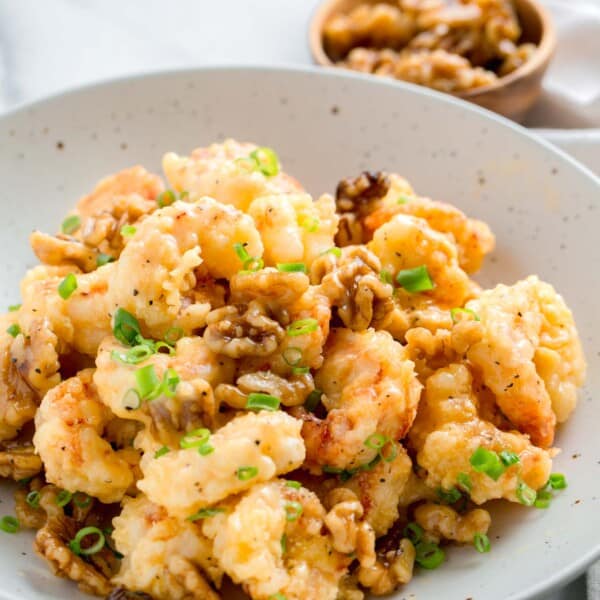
(47, 46)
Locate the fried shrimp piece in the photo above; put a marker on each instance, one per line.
(407, 242)
(249, 449)
(248, 544)
(293, 227)
(155, 276)
(68, 438)
(223, 171)
(163, 556)
(369, 388)
(530, 355)
(447, 431)
(443, 522)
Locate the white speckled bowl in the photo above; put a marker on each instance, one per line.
(542, 205)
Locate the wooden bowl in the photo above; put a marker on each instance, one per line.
(511, 95)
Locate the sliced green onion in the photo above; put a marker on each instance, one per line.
(429, 555)
(81, 500)
(266, 161)
(131, 400)
(166, 198)
(508, 458)
(448, 496)
(173, 335)
(126, 327)
(67, 286)
(337, 252)
(170, 382)
(9, 524)
(293, 510)
(14, 307)
(414, 532)
(252, 265)
(283, 542)
(313, 400)
(302, 327)
(415, 280)
(128, 230)
(300, 370)
(386, 277)
(75, 543)
(33, 499)
(376, 441)
(205, 513)
(292, 356)
(63, 498)
(71, 224)
(246, 473)
(292, 267)
(14, 330)
(525, 494)
(482, 543)
(183, 195)
(195, 438)
(543, 499)
(158, 346)
(206, 449)
(103, 259)
(488, 462)
(242, 253)
(464, 482)
(296, 485)
(278, 596)
(403, 199)
(331, 470)
(557, 481)
(311, 224)
(257, 401)
(162, 451)
(148, 384)
(134, 355)
(455, 312)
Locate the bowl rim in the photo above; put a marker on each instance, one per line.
(538, 62)
(568, 572)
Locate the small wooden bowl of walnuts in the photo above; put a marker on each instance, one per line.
(491, 52)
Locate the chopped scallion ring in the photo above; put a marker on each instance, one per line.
(128, 230)
(415, 280)
(103, 259)
(313, 400)
(376, 441)
(71, 224)
(205, 513)
(131, 400)
(63, 498)
(166, 198)
(311, 224)
(67, 286)
(266, 161)
(246, 473)
(206, 449)
(482, 543)
(429, 555)
(456, 312)
(14, 307)
(134, 355)
(557, 481)
(148, 383)
(195, 438)
(509, 458)
(162, 451)
(292, 356)
(9, 524)
(525, 494)
(543, 499)
(242, 253)
(464, 482)
(403, 199)
(386, 277)
(126, 327)
(300, 370)
(81, 500)
(170, 382)
(293, 510)
(33, 499)
(257, 401)
(293, 267)
(296, 485)
(14, 330)
(448, 496)
(75, 543)
(173, 335)
(252, 265)
(414, 532)
(302, 327)
(158, 346)
(332, 470)
(488, 462)
(278, 596)
(337, 252)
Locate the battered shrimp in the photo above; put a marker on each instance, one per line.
(155, 275)
(164, 557)
(529, 355)
(223, 172)
(69, 428)
(293, 227)
(250, 449)
(248, 544)
(369, 388)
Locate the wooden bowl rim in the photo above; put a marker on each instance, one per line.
(538, 61)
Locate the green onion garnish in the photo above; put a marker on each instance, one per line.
(71, 224)
(508, 458)
(337, 252)
(205, 513)
(302, 327)
(266, 161)
(332, 470)
(75, 543)
(257, 401)
(134, 355)
(543, 499)
(292, 356)
(195, 438)
(300, 370)
(14, 307)
(246, 473)
(166, 198)
(429, 555)
(67, 286)
(481, 542)
(14, 330)
(296, 485)
(386, 277)
(169, 383)
(148, 383)
(415, 280)
(242, 253)
(557, 481)
(162, 451)
(455, 312)
(448, 496)
(206, 449)
(376, 441)
(311, 224)
(488, 462)
(126, 327)
(278, 596)
(293, 510)
(63, 498)
(103, 259)
(33, 499)
(81, 500)
(131, 400)
(184, 195)
(250, 264)
(414, 532)
(128, 230)
(464, 482)
(293, 267)
(283, 542)
(402, 199)
(173, 335)
(313, 400)
(9, 524)
(525, 494)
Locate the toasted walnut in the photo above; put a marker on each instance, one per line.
(348, 588)
(63, 250)
(517, 57)
(444, 522)
(392, 569)
(242, 330)
(274, 287)
(51, 542)
(30, 517)
(121, 593)
(19, 462)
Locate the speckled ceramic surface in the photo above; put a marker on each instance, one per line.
(543, 207)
